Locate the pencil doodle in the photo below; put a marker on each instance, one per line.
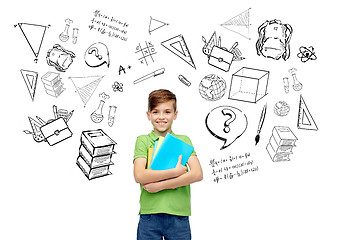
(260, 124)
(281, 108)
(96, 55)
(60, 58)
(64, 36)
(155, 24)
(305, 119)
(30, 78)
(249, 85)
(281, 144)
(239, 24)
(218, 56)
(97, 115)
(117, 86)
(305, 54)
(34, 35)
(149, 75)
(218, 122)
(297, 86)
(212, 87)
(274, 40)
(86, 86)
(52, 83)
(109, 26)
(111, 115)
(121, 68)
(184, 80)
(178, 46)
(95, 154)
(286, 84)
(52, 131)
(146, 52)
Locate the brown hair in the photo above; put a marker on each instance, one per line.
(159, 96)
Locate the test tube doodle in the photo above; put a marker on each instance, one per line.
(286, 84)
(75, 34)
(111, 115)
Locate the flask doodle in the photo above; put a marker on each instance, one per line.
(96, 55)
(226, 123)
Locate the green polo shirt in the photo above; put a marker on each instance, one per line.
(170, 201)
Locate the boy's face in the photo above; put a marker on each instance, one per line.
(162, 117)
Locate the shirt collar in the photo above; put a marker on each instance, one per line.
(155, 137)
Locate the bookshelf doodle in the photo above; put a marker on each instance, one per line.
(52, 84)
(226, 123)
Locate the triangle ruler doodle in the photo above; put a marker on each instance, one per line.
(178, 46)
(155, 24)
(86, 86)
(305, 119)
(30, 78)
(239, 24)
(34, 35)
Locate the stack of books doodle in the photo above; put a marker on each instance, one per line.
(95, 153)
(281, 144)
(52, 83)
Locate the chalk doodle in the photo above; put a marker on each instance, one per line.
(117, 86)
(305, 119)
(249, 85)
(34, 35)
(226, 123)
(30, 78)
(232, 167)
(52, 131)
(86, 86)
(109, 26)
(281, 108)
(155, 24)
(281, 144)
(274, 40)
(239, 24)
(177, 46)
(184, 80)
(52, 83)
(60, 58)
(212, 87)
(95, 154)
(150, 75)
(146, 52)
(305, 54)
(96, 55)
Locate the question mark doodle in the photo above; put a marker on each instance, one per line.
(218, 122)
(232, 115)
(96, 51)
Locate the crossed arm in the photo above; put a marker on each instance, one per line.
(157, 180)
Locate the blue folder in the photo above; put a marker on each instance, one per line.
(169, 152)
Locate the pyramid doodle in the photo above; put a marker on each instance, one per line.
(86, 86)
(239, 24)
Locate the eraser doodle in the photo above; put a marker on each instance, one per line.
(226, 123)
(96, 55)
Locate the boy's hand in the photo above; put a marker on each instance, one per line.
(153, 187)
(180, 169)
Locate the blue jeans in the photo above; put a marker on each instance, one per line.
(163, 226)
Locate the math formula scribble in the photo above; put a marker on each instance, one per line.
(232, 167)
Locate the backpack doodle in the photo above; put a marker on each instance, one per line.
(274, 40)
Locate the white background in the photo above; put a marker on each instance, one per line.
(44, 195)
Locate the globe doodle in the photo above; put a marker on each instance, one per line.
(212, 87)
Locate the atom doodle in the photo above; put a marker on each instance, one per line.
(117, 86)
(306, 54)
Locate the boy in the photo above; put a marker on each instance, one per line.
(165, 194)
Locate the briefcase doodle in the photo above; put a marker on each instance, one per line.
(220, 58)
(56, 131)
